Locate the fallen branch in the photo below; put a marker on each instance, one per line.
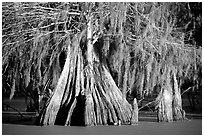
(187, 90)
(146, 105)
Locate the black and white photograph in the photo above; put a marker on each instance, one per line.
(101, 68)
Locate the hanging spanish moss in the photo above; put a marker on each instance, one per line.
(93, 61)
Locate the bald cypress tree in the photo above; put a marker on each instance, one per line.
(92, 60)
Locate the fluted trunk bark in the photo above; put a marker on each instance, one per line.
(86, 95)
(134, 117)
(104, 101)
(169, 103)
(164, 107)
(178, 112)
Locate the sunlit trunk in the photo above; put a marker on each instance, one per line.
(165, 106)
(104, 102)
(169, 105)
(134, 117)
(178, 112)
(86, 95)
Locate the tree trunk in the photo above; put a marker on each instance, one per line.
(178, 112)
(164, 107)
(104, 101)
(134, 117)
(49, 115)
(85, 95)
(169, 101)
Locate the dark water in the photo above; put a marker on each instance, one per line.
(14, 125)
(192, 127)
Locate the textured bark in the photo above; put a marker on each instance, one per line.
(169, 101)
(105, 103)
(86, 95)
(134, 117)
(178, 112)
(165, 106)
(63, 101)
(49, 116)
